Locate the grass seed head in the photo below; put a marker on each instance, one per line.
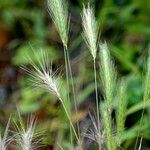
(108, 73)
(43, 77)
(90, 29)
(58, 10)
(26, 136)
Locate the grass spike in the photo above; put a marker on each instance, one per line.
(90, 29)
(121, 110)
(58, 10)
(108, 73)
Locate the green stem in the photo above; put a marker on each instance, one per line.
(141, 120)
(68, 97)
(68, 116)
(69, 72)
(73, 91)
(97, 104)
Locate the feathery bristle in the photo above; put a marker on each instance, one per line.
(93, 132)
(43, 76)
(25, 136)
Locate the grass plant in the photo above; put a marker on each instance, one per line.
(90, 34)
(108, 80)
(59, 13)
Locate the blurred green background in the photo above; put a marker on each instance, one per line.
(25, 26)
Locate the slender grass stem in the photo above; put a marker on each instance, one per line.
(73, 91)
(137, 138)
(110, 142)
(97, 104)
(69, 74)
(70, 121)
(145, 96)
(68, 89)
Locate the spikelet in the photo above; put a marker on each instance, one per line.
(108, 79)
(58, 10)
(121, 110)
(90, 30)
(108, 73)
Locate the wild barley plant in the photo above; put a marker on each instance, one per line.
(44, 78)
(108, 80)
(90, 34)
(58, 10)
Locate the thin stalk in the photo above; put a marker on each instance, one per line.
(145, 97)
(69, 72)
(97, 105)
(110, 141)
(68, 116)
(137, 138)
(68, 89)
(73, 90)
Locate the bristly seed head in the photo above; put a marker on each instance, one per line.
(108, 73)
(26, 136)
(94, 133)
(58, 10)
(43, 76)
(90, 30)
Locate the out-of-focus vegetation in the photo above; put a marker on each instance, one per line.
(25, 27)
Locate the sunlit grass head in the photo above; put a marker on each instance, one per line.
(42, 75)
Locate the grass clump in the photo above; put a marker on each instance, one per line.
(107, 133)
